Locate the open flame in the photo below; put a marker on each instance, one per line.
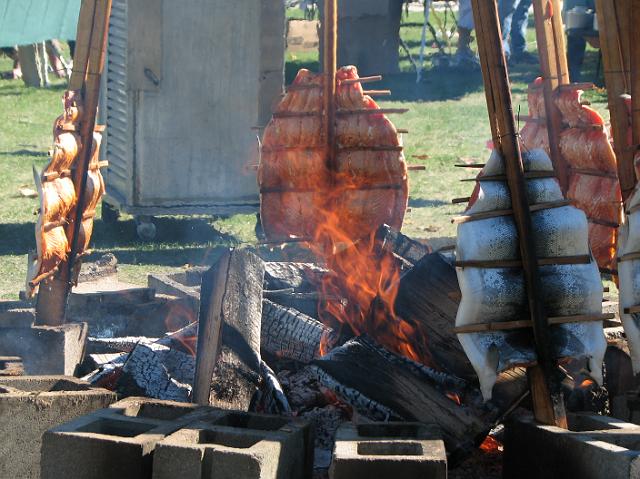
(361, 289)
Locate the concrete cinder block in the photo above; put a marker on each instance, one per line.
(46, 349)
(232, 445)
(29, 405)
(593, 447)
(114, 443)
(388, 451)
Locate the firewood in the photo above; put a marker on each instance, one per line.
(408, 249)
(288, 333)
(228, 352)
(409, 393)
(429, 296)
(294, 285)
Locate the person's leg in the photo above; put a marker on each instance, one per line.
(465, 25)
(519, 26)
(576, 45)
(506, 9)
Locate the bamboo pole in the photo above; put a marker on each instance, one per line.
(615, 33)
(544, 382)
(93, 25)
(555, 72)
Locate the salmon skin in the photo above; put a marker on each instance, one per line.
(497, 294)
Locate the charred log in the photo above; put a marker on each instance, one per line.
(392, 241)
(288, 333)
(409, 393)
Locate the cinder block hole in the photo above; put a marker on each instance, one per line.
(390, 448)
(64, 385)
(46, 385)
(162, 412)
(224, 438)
(4, 390)
(583, 423)
(252, 421)
(388, 430)
(114, 427)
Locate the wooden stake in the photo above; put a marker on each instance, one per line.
(330, 65)
(634, 54)
(553, 63)
(549, 404)
(615, 34)
(93, 26)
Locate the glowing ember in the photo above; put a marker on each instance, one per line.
(586, 383)
(491, 445)
(454, 397)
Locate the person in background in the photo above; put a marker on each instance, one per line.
(16, 72)
(576, 42)
(465, 57)
(514, 19)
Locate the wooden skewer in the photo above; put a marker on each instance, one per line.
(521, 324)
(597, 221)
(561, 260)
(377, 92)
(496, 213)
(402, 131)
(464, 199)
(629, 257)
(470, 165)
(363, 111)
(577, 86)
(369, 79)
(592, 172)
(416, 168)
(527, 175)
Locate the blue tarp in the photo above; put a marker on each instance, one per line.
(30, 21)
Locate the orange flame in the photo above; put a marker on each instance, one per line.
(361, 289)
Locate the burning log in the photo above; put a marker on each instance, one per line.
(415, 393)
(435, 312)
(228, 353)
(392, 241)
(291, 334)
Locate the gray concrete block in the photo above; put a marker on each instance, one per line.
(114, 443)
(388, 451)
(46, 349)
(29, 405)
(234, 445)
(593, 447)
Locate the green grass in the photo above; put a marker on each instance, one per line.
(447, 123)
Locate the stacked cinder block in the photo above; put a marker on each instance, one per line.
(113, 443)
(388, 451)
(230, 445)
(29, 405)
(593, 447)
(141, 438)
(45, 349)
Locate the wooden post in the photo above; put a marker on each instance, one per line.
(93, 26)
(555, 72)
(330, 49)
(209, 328)
(546, 393)
(615, 35)
(634, 54)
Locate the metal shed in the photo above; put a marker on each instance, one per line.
(186, 84)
